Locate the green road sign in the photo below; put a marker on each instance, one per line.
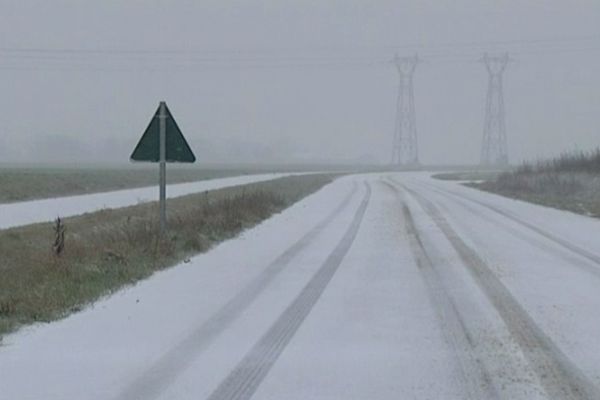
(163, 142)
(177, 148)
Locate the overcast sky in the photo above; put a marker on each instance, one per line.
(295, 80)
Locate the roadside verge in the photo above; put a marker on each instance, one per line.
(108, 249)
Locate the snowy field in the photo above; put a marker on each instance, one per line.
(379, 286)
(29, 212)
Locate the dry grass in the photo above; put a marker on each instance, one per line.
(474, 175)
(108, 249)
(575, 162)
(570, 181)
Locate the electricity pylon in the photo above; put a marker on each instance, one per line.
(494, 148)
(405, 151)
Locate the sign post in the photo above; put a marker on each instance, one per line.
(162, 116)
(163, 142)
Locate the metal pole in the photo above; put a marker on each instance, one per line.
(405, 151)
(163, 167)
(494, 149)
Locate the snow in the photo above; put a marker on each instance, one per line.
(97, 352)
(373, 334)
(384, 327)
(557, 286)
(29, 212)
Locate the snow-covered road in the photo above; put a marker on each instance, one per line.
(34, 211)
(379, 286)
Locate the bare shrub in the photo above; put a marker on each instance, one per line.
(59, 237)
(7, 307)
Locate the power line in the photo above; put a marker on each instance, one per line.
(328, 49)
(33, 58)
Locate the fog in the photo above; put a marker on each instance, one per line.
(293, 81)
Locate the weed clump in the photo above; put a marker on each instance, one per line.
(59, 237)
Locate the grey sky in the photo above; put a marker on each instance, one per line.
(292, 80)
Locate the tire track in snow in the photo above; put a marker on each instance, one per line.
(560, 378)
(475, 378)
(163, 373)
(562, 242)
(245, 378)
(574, 258)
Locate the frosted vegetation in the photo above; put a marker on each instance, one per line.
(107, 249)
(570, 181)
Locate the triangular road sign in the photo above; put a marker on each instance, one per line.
(177, 148)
